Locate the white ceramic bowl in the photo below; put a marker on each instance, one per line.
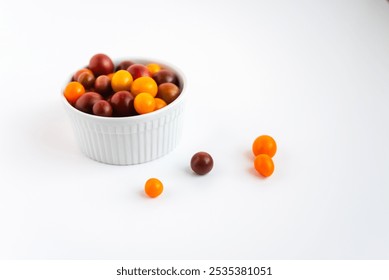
(130, 140)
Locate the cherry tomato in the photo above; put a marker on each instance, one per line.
(264, 165)
(144, 84)
(101, 64)
(139, 70)
(168, 92)
(264, 144)
(165, 76)
(153, 187)
(79, 72)
(86, 79)
(103, 85)
(153, 68)
(86, 101)
(144, 103)
(102, 108)
(159, 103)
(73, 91)
(124, 65)
(121, 80)
(201, 163)
(122, 104)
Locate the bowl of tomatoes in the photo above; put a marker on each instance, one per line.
(125, 111)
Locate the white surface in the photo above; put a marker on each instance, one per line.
(313, 74)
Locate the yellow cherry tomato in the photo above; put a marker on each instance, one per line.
(153, 68)
(144, 84)
(264, 165)
(264, 144)
(153, 187)
(144, 103)
(73, 91)
(159, 103)
(121, 80)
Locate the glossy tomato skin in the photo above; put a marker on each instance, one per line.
(86, 101)
(201, 163)
(264, 165)
(101, 64)
(165, 76)
(264, 144)
(139, 70)
(73, 91)
(86, 79)
(79, 72)
(102, 108)
(144, 103)
(153, 68)
(144, 84)
(123, 104)
(168, 92)
(103, 85)
(121, 80)
(153, 187)
(159, 103)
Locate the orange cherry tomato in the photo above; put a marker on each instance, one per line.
(121, 80)
(153, 68)
(153, 187)
(264, 165)
(110, 75)
(144, 84)
(73, 91)
(159, 103)
(144, 103)
(264, 144)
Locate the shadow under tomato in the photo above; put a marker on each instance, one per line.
(253, 172)
(190, 172)
(249, 155)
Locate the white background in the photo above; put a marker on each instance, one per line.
(313, 74)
